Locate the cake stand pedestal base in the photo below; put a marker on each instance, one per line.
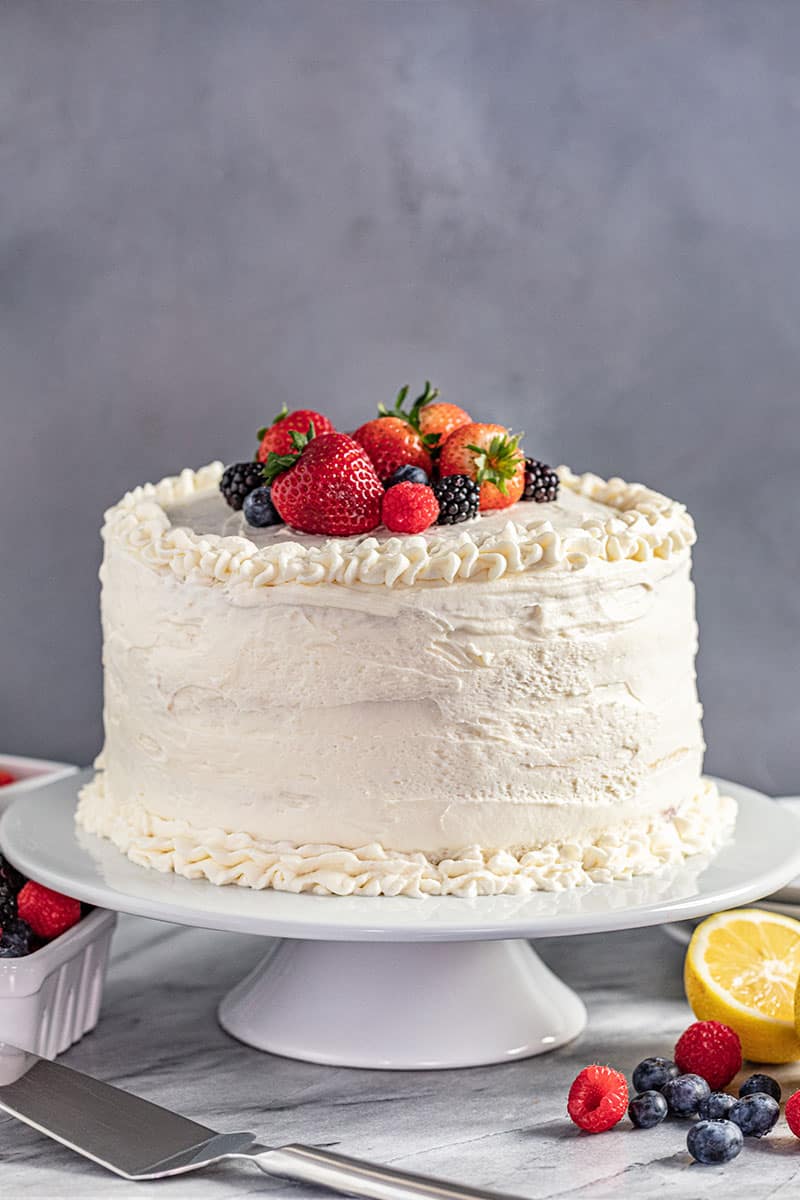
(403, 1006)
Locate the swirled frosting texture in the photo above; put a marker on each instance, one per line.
(609, 521)
(520, 685)
(697, 827)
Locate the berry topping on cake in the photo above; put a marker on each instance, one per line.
(326, 485)
(5, 778)
(652, 1073)
(489, 455)
(409, 508)
(407, 474)
(598, 1099)
(716, 1107)
(647, 1109)
(761, 1083)
(395, 439)
(710, 1049)
(755, 1114)
(259, 509)
(48, 913)
(439, 420)
(458, 497)
(277, 437)
(541, 482)
(714, 1141)
(239, 480)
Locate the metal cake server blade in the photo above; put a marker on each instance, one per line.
(140, 1140)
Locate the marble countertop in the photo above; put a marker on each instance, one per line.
(502, 1127)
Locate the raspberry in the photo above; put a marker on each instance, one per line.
(598, 1099)
(711, 1050)
(409, 508)
(5, 778)
(792, 1113)
(48, 913)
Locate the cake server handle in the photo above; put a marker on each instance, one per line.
(353, 1177)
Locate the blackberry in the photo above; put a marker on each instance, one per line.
(458, 497)
(8, 904)
(11, 876)
(239, 480)
(16, 939)
(541, 482)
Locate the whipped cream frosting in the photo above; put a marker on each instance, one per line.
(698, 827)
(183, 525)
(445, 705)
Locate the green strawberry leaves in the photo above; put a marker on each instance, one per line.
(499, 462)
(276, 464)
(411, 417)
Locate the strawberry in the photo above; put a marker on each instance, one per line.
(48, 913)
(598, 1098)
(5, 778)
(277, 437)
(409, 508)
(390, 443)
(440, 420)
(489, 455)
(327, 485)
(396, 438)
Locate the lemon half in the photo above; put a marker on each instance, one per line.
(743, 967)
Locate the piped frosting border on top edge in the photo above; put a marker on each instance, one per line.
(644, 525)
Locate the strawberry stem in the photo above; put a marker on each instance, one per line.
(276, 464)
(498, 462)
(411, 417)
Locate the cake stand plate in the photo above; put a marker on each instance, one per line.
(395, 982)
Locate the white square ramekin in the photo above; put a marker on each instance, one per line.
(29, 773)
(51, 998)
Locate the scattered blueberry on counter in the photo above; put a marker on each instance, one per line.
(716, 1107)
(755, 1114)
(714, 1141)
(647, 1109)
(685, 1094)
(652, 1073)
(761, 1083)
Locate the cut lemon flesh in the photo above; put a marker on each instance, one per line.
(742, 968)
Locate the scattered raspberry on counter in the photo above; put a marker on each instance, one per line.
(711, 1050)
(598, 1098)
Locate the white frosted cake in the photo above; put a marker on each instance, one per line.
(496, 706)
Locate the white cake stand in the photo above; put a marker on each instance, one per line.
(401, 983)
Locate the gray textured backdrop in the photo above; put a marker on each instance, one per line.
(580, 216)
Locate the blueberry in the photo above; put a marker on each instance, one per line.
(714, 1141)
(685, 1094)
(16, 939)
(647, 1109)
(406, 474)
(761, 1083)
(652, 1073)
(716, 1107)
(259, 509)
(755, 1114)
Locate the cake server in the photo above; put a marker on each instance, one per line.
(140, 1140)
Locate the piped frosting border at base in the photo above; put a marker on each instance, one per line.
(698, 826)
(642, 525)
